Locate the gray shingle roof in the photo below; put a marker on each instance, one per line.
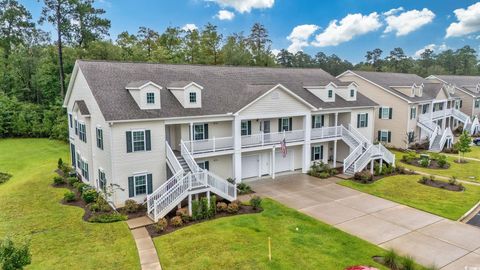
(136, 84)
(226, 89)
(389, 79)
(82, 107)
(178, 84)
(467, 83)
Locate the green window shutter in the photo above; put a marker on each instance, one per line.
(322, 120)
(131, 187)
(128, 135)
(148, 141)
(390, 113)
(321, 152)
(358, 120)
(149, 184)
(290, 124)
(279, 124)
(249, 128)
(379, 135)
(380, 113)
(389, 136)
(205, 129)
(207, 165)
(366, 120)
(312, 155)
(313, 121)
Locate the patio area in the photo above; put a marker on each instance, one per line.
(429, 239)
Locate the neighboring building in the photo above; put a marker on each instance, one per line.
(164, 132)
(467, 88)
(412, 109)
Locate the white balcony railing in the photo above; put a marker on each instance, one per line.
(326, 132)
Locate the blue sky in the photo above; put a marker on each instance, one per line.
(347, 28)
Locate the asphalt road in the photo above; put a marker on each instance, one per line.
(475, 221)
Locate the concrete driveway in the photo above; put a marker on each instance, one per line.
(429, 239)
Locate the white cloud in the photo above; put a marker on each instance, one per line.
(189, 26)
(393, 11)
(468, 21)
(275, 51)
(225, 15)
(244, 5)
(349, 27)
(300, 35)
(409, 21)
(433, 47)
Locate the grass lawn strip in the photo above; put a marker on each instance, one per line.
(240, 242)
(30, 208)
(406, 190)
(469, 171)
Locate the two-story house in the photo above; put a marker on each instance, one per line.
(411, 109)
(163, 133)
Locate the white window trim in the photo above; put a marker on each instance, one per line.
(190, 97)
(135, 184)
(99, 178)
(319, 147)
(382, 131)
(153, 98)
(144, 140)
(382, 116)
(195, 132)
(317, 119)
(328, 93)
(413, 112)
(99, 128)
(365, 116)
(80, 124)
(282, 126)
(242, 128)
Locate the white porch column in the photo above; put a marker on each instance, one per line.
(336, 119)
(237, 149)
(273, 162)
(191, 137)
(307, 127)
(190, 204)
(334, 153)
(371, 166)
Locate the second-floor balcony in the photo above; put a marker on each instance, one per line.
(260, 139)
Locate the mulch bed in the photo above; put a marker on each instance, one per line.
(378, 177)
(461, 161)
(244, 209)
(433, 164)
(141, 211)
(442, 185)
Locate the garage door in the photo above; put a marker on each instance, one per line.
(250, 166)
(283, 164)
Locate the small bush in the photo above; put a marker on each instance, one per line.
(255, 202)
(408, 263)
(4, 177)
(81, 187)
(424, 180)
(66, 169)
(244, 188)
(69, 196)
(60, 163)
(94, 207)
(424, 162)
(160, 225)
(183, 213)
(90, 196)
(72, 180)
(321, 170)
(363, 176)
(58, 180)
(452, 181)
(212, 209)
(102, 204)
(442, 161)
(233, 208)
(222, 207)
(176, 221)
(131, 206)
(392, 259)
(12, 256)
(230, 180)
(409, 157)
(401, 170)
(108, 218)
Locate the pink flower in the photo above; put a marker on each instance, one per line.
(360, 267)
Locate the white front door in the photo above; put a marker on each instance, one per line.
(250, 166)
(283, 164)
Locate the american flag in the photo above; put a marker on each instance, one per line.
(283, 146)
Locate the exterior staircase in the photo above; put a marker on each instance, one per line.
(363, 151)
(188, 179)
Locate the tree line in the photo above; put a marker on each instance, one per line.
(35, 66)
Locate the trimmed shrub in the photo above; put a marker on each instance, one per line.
(81, 187)
(72, 181)
(424, 162)
(108, 218)
(90, 196)
(69, 196)
(222, 207)
(176, 221)
(60, 163)
(58, 180)
(321, 170)
(212, 209)
(12, 256)
(160, 225)
(4, 177)
(244, 188)
(401, 170)
(409, 157)
(442, 161)
(102, 204)
(423, 180)
(183, 213)
(131, 206)
(363, 176)
(233, 208)
(255, 202)
(66, 169)
(196, 210)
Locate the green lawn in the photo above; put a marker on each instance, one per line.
(404, 189)
(475, 153)
(240, 242)
(469, 171)
(30, 209)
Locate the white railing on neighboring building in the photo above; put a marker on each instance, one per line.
(210, 145)
(188, 157)
(261, 139)
(359, 135)
(326, 132)
(447, 134)
(432, 137)
(363, 160)
(172, 160)
(388, 156)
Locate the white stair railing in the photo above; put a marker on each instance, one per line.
(363, 139)
(348, 161)
(164, 188)
(446, 135)
(221, 186)
(188, 157)
(387, 155)
(432, 137)
(363, 160)
(171, 198)
(475, 125)
(172, 160)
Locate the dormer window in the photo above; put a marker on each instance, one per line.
(193, 97)
(150, 98)
(330, 93)
(352, 93)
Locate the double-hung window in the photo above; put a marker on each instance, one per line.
(85, 169)
(70, 120)
(425, 108)
(384, 136)
(477, 103)
(76, 126)
(362, 120)
(102, 181)
(140, 182)
(330, 93)
(438, 106)
(200, 132)
(204, 165)
(246, 128)
(138, 140)
(413, 112)
(352, 93)
(285, 124)
(317, 153)
(317, 121)
(193, 97)
(79, 161)
(82, 133)
(385, 113)
(99, 132)
(150, 98)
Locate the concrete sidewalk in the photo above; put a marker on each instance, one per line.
(429, 239)
(146, 249)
